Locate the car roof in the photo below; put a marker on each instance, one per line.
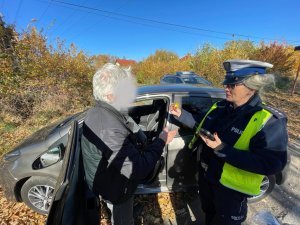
(178, 88)
(181, 74)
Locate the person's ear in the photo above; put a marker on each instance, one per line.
(110, 97)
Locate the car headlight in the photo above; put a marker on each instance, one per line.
(12, 156)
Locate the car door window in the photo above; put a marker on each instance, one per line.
(172, 80)
(197, 106)
(178, 81)
(166, 79)
(189, 80)
(150, 115)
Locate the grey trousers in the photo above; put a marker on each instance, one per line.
(122, 214)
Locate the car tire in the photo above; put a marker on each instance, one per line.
(266, 188)
(37, 193)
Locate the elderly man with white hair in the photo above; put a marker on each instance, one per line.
(112, 162)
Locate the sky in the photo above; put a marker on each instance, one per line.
(135, 29)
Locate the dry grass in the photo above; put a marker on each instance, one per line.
(289, 105)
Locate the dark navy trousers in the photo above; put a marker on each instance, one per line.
(221, 205)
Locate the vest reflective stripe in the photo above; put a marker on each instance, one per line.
(196, 136)
(238, 179)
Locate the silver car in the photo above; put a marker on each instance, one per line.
(29, 172)
(185, 77)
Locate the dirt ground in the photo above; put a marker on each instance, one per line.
(284, 201)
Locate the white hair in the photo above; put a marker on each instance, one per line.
(106, 79)
(258, 82)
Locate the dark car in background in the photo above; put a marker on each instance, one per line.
(30, 171)
(185, 77)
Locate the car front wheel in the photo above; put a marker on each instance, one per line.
(266, 188)
(37, 193)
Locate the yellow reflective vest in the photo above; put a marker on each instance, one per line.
(232, 177)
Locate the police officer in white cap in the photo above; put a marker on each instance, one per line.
(249, 140)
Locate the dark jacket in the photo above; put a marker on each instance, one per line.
(107, 146)
(267, 151)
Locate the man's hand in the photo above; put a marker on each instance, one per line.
(167, 136)
(175, 109)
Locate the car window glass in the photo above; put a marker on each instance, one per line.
(149, 114)
(172, 79)
(178, 81)
(189, 80)
(166, 79)
(201, 80)
(197, 106)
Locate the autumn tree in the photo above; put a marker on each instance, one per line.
(48, 79)
(8, 62)
(207, 62)
(155, 66)
(100, 60)
(280, 55)
(283, 59)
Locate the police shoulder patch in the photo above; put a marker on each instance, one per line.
(276, 113)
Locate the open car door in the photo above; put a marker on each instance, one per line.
(73, 203)
(150, 115)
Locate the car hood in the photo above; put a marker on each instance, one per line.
(38, 136)
(43, 133)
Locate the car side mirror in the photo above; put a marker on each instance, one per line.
(50, 157)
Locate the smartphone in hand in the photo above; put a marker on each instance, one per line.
(207, 134)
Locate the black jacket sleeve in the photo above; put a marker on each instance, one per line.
(127, 158)
(187, 119)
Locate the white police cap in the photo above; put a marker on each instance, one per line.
(238, 70)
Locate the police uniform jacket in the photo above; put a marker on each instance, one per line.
(267, 149)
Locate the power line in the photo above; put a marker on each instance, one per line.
(166, 23)
(67, 18)
(18, 10)
(80, 18)
(83, 16)
(140, 23)
(44, 12)
(149, 25)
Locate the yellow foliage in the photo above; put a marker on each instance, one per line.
(155, 66)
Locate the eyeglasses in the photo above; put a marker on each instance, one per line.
(232, 86)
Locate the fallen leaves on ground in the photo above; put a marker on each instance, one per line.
(16, 213)
(155, 209)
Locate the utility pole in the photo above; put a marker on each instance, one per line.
(297, 48)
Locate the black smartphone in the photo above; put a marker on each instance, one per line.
(207, 134)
